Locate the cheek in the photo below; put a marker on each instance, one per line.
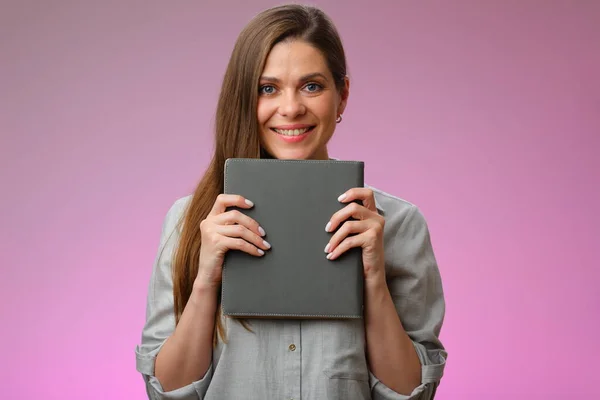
(263, 111)
(325, 108)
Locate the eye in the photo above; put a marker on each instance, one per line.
(266, 89)
(313, 87)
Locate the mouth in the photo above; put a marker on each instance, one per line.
(294, 131)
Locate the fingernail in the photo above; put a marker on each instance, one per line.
(262, 253)
(328, 226)
(266, 244)
(327, 248)
(261, 231)
(251, 204)
(329, 256)
(342, 197)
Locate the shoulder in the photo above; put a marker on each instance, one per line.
(398, 212)
(174, 216)
(180, 205)
(388, 201)
(407, 239)
(178, 208)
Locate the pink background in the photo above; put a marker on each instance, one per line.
(485, 114)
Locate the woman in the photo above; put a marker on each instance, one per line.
(284, 90)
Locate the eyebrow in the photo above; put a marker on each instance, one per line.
(302, 78)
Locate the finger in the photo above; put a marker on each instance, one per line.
(365, 195)
(346, 244)
(242, 245)
(237, 217)
(347, 228)
(229, 200)
(240, 231)
(352, 210)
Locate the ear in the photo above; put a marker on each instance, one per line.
(344, 93)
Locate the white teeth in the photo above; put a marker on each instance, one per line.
(291, 132)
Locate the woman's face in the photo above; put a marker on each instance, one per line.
(298, 102)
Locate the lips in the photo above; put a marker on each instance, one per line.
(293, 133)
(293, 130)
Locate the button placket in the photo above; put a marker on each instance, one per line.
(292, 361)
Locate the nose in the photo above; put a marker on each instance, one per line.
(291, 105)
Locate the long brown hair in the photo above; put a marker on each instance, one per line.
(236, 128)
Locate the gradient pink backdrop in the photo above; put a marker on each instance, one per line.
(485, 114)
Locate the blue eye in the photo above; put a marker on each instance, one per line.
(266, 89)
(313, 87)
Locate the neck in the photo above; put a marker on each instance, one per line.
(322, 154)
(265, 154)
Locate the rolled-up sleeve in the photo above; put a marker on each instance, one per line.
(415, 284)
(160, 321)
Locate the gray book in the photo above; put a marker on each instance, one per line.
(293, 201)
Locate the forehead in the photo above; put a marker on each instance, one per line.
(293, 59)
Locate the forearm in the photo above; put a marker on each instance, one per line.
(187, 353)
(391, 354)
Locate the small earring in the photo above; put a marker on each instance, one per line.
(339, 119)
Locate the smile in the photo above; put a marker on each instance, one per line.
(293, 132)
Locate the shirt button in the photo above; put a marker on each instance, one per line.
(292, 347)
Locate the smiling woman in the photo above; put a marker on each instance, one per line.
(283, 93)
(299, 101)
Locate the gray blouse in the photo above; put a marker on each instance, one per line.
(308, 359)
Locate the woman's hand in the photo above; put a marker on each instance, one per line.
(367, 227)
(227, 230)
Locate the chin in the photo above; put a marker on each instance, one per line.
(291, 154)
